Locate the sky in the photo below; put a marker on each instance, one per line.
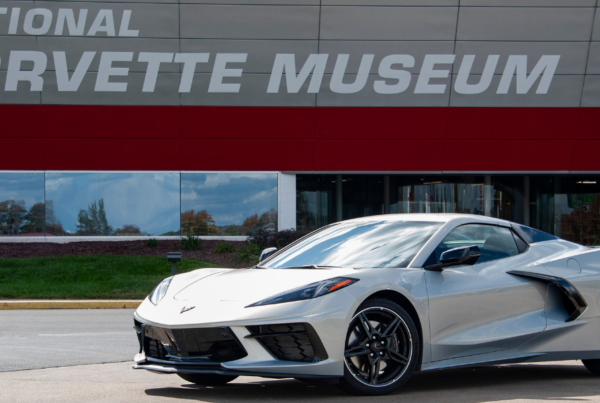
(22, 186)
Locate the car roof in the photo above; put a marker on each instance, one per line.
(435, 217)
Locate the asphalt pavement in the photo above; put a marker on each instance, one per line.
(31, 339)
(70, 338)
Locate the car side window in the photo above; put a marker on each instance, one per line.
(494, 242)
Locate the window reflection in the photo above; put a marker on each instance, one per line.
(122, 204)
(376, 243)
(228, 203)
(21, 204)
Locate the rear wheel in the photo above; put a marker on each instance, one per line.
(382, 349)
(208, 379)
(593, 366)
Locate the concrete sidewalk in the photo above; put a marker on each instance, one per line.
(70, 304)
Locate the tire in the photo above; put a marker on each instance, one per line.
(383, 366)
(593, 366)
(208, 379)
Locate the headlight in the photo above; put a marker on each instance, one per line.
(309, 291)
(159, 292)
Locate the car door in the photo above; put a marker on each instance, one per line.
(480, 308)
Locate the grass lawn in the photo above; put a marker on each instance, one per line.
(86, 277)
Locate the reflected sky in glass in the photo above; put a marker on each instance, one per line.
(28, 187)
(148, 201)
(230, 198)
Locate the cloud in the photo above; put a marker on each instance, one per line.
(54, 184)
(260, 196)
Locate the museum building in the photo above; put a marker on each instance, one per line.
(224, 117)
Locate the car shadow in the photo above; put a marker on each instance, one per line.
(469, 385)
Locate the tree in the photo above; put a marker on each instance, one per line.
(11, 216)
(93, 221)
(53, 225)
(249, 224)
(129, 230)
(199, 223)
(253, 224)
(33, 221)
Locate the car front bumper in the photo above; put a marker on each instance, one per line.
(328, 321)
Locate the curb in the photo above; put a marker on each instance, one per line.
(70, 304)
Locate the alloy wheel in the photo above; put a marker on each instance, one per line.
(379, 347)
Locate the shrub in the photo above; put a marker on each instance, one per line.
(224, 247)
(152, 243)
(278, 239)
(250, 252)
(191, 242)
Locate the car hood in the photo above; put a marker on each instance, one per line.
(214, 296)
(247, 286)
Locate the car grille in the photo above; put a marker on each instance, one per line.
(290, 342)
(217, 344)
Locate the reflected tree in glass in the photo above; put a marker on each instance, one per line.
(21, 204)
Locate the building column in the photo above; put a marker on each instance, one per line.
(487, 195)
(286, 201)
(338, 197)
(526, 203)
(386, 194)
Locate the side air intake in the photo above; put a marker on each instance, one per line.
(290, 342)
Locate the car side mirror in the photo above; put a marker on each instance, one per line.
(266, 253)
(457, 256)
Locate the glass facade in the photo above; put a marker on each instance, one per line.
(567, 206)
(136, 204)
(242, 203)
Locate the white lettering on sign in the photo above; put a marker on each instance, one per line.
(67, 15)
(62, 72)
(103, 23)
(286, 63)
(220, 71)
(14, 73)
(547, 65)
(106, 70)
(386, 72)
(392, 70)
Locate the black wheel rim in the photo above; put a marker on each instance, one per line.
(378, 348)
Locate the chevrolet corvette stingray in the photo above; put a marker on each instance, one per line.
(365, 303)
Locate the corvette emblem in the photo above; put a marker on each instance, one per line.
(185, 309)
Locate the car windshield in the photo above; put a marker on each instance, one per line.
(381, 243)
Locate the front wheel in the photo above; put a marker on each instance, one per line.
(593, 366)
(207, 379)
(382, 349)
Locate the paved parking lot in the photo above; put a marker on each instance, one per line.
(31, 339)
(560, 382)
(89, 337)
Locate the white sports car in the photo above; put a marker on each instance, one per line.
(367, 302)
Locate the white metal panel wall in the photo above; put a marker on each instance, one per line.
(265, 28)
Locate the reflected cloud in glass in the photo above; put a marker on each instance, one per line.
(21, 204)
(228, 203)
(112, 203)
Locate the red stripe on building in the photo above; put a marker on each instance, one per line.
(65, 137)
